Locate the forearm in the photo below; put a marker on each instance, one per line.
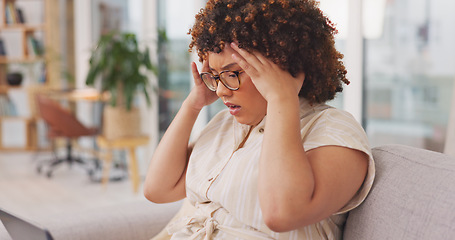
(286, 181)
(165, 175)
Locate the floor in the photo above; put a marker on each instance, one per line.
(27, 193)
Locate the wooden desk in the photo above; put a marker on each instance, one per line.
(128, 144)
(87, 94)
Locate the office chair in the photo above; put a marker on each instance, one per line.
(61, 123)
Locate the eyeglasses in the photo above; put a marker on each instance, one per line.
(230, 80)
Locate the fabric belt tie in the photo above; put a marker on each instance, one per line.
(202, 225)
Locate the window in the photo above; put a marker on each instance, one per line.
(174, 20)
(409, 69)
(338, 12)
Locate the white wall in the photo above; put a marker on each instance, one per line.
(83, 39)
(149, 34)
(354, 54)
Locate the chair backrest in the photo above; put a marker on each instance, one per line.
(60, 120)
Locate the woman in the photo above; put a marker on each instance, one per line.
(278, 163)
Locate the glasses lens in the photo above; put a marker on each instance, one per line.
(209, 81)
(230, 79)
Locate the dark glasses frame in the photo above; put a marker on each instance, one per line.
(218, 78)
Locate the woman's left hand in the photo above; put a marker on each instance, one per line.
(270, 80)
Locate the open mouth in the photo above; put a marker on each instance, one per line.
(231, 106)
(233, 109)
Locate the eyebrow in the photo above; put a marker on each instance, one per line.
(226, 67)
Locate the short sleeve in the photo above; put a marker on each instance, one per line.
(333, 127)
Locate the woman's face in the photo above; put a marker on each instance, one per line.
(246, 104)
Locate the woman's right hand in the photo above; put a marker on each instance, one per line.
(200, 95)
(165, 180)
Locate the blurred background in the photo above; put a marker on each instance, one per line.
(399, 54)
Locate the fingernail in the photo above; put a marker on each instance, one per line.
(233, 44)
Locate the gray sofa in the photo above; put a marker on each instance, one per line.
(413, 197)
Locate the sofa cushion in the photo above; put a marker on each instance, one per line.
(413, 197)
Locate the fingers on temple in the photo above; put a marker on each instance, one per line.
(263, 59)
(240, 61)
(248, 57)
(205, 66)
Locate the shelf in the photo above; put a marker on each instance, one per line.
(24, 44)
(7, 60)
(17, 149)
(25, 119)
(28, 130)
(5, 88)
(21, 27)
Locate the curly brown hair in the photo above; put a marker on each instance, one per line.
(294, 34)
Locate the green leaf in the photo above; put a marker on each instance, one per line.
(116, 60)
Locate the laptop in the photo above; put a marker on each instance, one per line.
(20, 229)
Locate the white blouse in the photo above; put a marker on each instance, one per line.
(222, 184)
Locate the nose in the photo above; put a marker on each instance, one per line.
(222, 90)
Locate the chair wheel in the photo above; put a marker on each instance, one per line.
(49, 174)
(39, 169)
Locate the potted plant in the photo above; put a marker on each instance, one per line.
(121, 68)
